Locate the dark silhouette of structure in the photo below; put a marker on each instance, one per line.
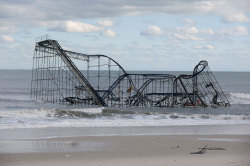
(64, 76)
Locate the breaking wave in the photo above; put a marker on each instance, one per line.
(99, 117)
(51, 113)
(239, 98)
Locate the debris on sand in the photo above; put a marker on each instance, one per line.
(203, 150)
(214, 148)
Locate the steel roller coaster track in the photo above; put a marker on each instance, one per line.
(63, 76)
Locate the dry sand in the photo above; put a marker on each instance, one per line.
(137, 150)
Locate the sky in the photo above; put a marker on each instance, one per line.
(159, 35)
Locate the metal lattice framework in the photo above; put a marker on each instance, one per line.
(64, 76)
(200, 88)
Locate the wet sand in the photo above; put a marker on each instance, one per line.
(132, 150)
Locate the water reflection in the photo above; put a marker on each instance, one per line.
(26, 146)
(40, 144)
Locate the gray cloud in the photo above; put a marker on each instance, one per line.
(47, 10)
(20, 16)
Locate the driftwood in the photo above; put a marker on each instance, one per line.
(203, 150)
(214, 148)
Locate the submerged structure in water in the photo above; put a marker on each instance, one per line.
(63, 76)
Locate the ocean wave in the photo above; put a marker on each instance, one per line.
(79, 113)
(239, 98)
(14, 93)
(49, 113)
(116, 113)
(33, 113)
(16, 99)
(95, 117)
(119, 123)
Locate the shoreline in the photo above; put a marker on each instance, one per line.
(58, 132)
(132, 150)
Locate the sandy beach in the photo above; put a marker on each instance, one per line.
(223, 150)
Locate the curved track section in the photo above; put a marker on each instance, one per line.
(64, 76)
(199, 89)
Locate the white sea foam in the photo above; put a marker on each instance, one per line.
(45, 113)
(119, 123)
(36, 113)
(93, 117)
(240, 98)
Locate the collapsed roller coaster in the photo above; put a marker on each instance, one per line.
(63, 76)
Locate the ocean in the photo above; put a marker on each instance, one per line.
(18, 110)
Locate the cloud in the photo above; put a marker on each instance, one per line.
(7, 38)
(235, 17)
(29, 12)
(151, 31)
(196, 34)
(232, 11)
(191, 33)
(192, 30)
(8, 29)
(209, 47)
(108, 33)
(106, 23)
(189, 22)
(52, 10)
(237, 31)
(74, 26)
(186, 37)
(207, 31)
